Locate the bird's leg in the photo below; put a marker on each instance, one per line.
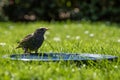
(36, 51)
(25, 50)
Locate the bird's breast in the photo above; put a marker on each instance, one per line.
(39, 40)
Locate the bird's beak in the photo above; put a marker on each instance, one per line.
(46, 29)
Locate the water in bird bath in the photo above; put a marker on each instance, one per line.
(61, 56)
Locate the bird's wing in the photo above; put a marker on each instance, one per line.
(25, 39)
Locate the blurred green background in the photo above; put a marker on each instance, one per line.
(57, 10)
(76, 26)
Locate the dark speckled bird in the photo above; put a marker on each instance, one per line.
(33, 42)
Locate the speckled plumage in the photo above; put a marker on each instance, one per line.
(33, 42)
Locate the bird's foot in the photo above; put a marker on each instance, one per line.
(27, 53)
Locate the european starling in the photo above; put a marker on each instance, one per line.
(32, 42)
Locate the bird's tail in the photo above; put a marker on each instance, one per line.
(18, 47)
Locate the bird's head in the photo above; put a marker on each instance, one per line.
(40, 30)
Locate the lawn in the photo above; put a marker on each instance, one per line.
(68, 37)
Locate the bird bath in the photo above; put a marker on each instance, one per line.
(61, 57)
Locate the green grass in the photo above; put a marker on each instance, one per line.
(70, 37)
